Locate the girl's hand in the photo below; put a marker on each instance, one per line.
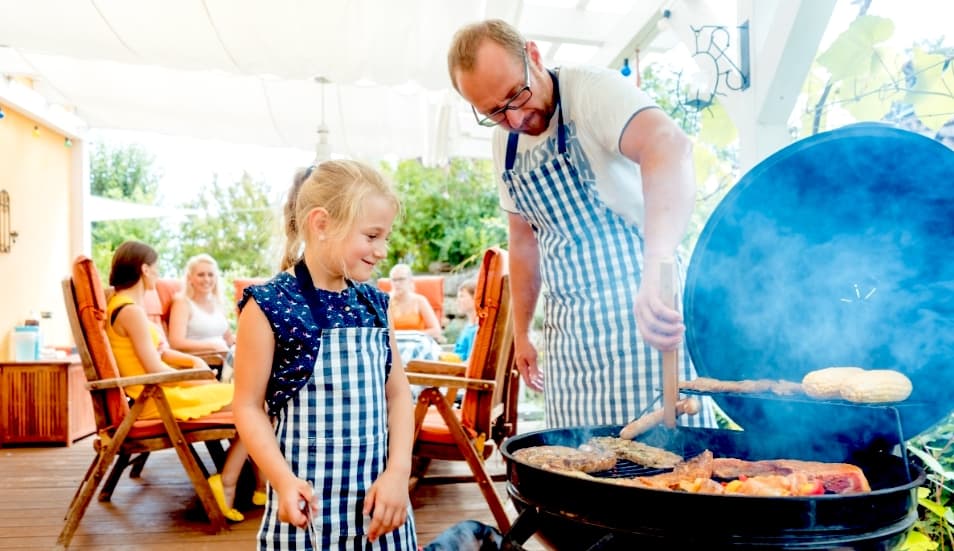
(291, 498)
(386, 503)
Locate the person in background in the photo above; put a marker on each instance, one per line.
(410, 311)
(197, 319)
(418, 331)
(139, 350)
(598, 185)
(317, 349)
(466, 306)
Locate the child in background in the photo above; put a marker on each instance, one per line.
(465, 305)
(316, 348)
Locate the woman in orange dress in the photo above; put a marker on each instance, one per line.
(410, 310)
(139, 349)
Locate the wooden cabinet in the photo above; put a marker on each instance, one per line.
(44, 401)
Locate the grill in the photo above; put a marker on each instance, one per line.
(830, 252)
(574, 513)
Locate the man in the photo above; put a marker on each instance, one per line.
(598, 184)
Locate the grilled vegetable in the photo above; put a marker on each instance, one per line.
(827, 382)
(876, 386)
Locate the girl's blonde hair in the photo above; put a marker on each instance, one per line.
(341, 188)
(190, 268)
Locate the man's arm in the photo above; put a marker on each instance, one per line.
(524, 290)
(664, 154)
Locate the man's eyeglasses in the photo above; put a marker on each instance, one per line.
(515, 102)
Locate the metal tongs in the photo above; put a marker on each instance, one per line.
(306, 508)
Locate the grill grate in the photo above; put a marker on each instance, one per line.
(627, 469)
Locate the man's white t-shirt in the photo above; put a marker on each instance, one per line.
(597, 105)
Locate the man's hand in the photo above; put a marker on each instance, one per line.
(525, 355)
(660, 326)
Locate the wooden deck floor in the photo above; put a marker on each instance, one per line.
(160, 510)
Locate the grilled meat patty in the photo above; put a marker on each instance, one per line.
(637, 452)
(585, 459)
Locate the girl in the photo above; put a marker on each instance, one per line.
(138, 350)
(316, 348)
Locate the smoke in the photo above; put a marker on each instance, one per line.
(834, 251)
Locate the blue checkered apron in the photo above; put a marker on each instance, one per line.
(333, 433)
(598, 368)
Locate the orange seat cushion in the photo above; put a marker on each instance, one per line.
(240, 283)
(434, 430)
(154, 427)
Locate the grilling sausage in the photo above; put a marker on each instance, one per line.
(688, 406)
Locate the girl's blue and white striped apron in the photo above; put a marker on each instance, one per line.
(598, 369)
(333, 433)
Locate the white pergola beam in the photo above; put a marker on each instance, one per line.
(633, 30)
(567, 25)
(786, 48)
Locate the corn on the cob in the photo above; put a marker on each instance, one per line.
(877, 386)
(827, 382)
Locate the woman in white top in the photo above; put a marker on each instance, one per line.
(197, 320)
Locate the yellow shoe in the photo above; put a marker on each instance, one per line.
(259, 498)
(218, 490)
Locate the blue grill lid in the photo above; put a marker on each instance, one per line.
(836, 250)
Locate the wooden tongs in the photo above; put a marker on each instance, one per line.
(672, 406)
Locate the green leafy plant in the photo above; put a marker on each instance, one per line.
(934, 529)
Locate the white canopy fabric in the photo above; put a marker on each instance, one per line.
(244, 71)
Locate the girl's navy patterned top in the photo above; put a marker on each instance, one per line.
(298, 330)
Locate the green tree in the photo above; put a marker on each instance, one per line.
(451, 214)
(237, 225)
(124, 173)
(887, 84)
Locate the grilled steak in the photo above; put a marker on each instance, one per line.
(637, 452)
(837, 478)
(586, 459)
(776, 477)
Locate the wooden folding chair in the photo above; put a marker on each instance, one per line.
(488, 411)
(122, 439)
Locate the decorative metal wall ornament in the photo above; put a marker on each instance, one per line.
(712, 46)
(7, 237)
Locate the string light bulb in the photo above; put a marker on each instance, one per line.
(2, 114)
(68, 142)
(625, 70)
(36, 131)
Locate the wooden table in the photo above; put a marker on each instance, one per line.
(44, 401)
